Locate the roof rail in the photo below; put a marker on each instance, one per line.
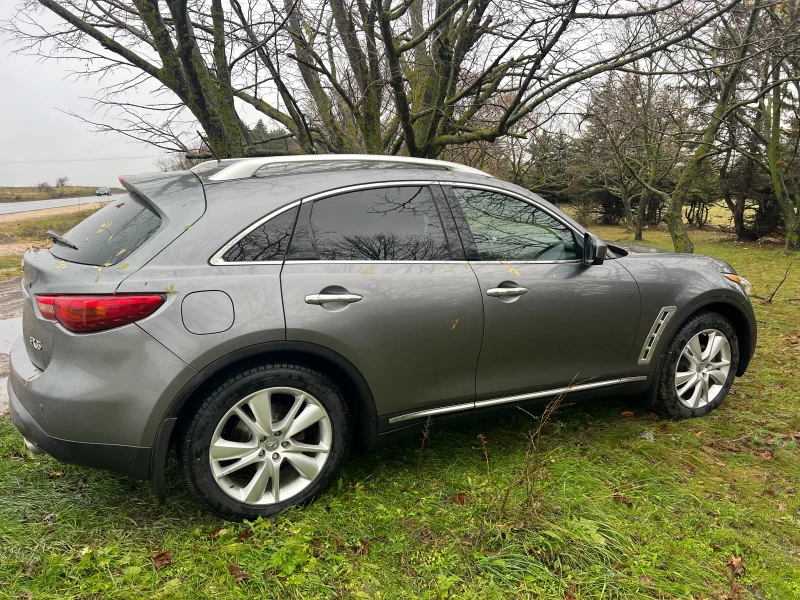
(248, 166)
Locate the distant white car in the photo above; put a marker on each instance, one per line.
(103, 191)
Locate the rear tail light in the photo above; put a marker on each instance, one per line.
(84, 314)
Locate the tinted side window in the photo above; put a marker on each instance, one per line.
(111, 234)
(397, 223)
(506, 228)
(268, 241)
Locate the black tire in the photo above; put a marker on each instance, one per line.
(194, 445)
(667, 401)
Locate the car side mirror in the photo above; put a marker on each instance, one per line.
(594, 250)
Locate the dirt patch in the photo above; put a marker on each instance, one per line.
(10, 299)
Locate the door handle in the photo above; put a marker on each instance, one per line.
(509, 291)
(325, 298)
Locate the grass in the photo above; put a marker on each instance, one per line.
(24, 194)
(614, 515)
(31, 230)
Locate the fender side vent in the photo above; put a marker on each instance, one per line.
(659, 325)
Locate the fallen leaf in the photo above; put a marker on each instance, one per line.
(764, 453)
(96, 279)
(512, 269)
(244, 535)
(81, 483)
(55, 474)
(218, 532)
(781, 506)
(187, 227)
(461, 498)
(238, 573)
(123, 266)
(108, 264)
(453, 323)
(30, 568)
(647, 580)
(162, 559)
(736, 563)
(367, 270)
(450, 271)
(627, 414)
(622, 499)
(49, 518)
(698, 434)
(123, 251)
(570, 593)
(171, 289)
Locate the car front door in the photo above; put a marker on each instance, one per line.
(373, 275)
(549, 320)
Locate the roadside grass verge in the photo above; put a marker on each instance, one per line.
(30, 228)
(628, 506)
(25, 194)
(27, 231)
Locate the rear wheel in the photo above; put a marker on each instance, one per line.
(267, 438)
(699, 367)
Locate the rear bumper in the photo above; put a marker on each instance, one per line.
(101, 400)
(128, 460)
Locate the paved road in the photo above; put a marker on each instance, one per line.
(7, 208)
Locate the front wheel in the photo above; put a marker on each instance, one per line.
(699, 367)
(268, 438)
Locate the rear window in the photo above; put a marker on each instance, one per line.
(111, 234)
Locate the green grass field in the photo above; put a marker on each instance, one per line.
(624, 506)
(24, 194)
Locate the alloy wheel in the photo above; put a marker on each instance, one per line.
(703, 368)
(270, 445)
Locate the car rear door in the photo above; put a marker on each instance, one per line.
(549, 319)
(373, 273)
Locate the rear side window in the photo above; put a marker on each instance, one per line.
(268, 241)
(394, 223)
(111, 234)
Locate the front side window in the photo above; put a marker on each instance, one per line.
(393, 223)
(268, 241)
(508, 229)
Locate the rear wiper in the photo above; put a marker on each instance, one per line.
(59, 239)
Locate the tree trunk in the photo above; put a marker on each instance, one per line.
(642, 206)
(790, 214)
(626, 202)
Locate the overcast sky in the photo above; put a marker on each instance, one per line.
(40, 143)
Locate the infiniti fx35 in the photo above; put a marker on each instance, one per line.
(262, 315)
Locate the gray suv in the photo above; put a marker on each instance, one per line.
(264, 315)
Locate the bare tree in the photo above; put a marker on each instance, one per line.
(414, 77)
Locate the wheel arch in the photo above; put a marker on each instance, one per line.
(737, 315)
(344, 374)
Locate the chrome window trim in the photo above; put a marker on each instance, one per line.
(217, 260)
(651, 341)
(375, 262)
(516, 398)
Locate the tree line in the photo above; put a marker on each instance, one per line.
(659, 105)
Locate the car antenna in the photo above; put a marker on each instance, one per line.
(210, 149)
